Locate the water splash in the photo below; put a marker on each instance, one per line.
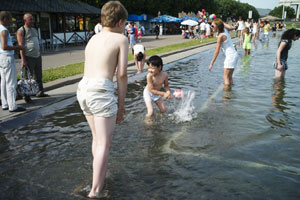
(184, 108)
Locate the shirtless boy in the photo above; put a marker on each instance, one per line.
(155, 80)
(105, 53)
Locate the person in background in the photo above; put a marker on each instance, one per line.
(98, 27)
(156, 31)
(247, 36)
(143, 30)
(241, 27)
(267, 28)
(31, 58)
(132, 40)
(255, 31)
(282, 52)
(8, 69)
(139, 57)
(231, 55)
(140, 34)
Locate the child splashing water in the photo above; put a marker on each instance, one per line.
(156, 78)
(247, 37)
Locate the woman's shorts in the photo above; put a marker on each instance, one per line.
(96, 97)
(283, 63)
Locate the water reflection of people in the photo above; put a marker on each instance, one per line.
(246, 64)
(279, 103)
(278, 95)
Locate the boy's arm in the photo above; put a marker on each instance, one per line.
(122, 78)
(167, 94)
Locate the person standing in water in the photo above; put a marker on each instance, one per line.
(282, 52)
(96, 92)
(231, 55)
(156, 79)
(247, 36)
(241, 26)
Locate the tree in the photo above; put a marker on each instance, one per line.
(232, 8)
(151, 7)
(277, 12)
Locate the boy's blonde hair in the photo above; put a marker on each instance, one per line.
(112, 12)
(219, 24)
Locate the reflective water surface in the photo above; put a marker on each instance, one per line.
(242, 144)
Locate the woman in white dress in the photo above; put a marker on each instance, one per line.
(231, 55)
(241, 27)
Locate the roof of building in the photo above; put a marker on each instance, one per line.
(49, 6)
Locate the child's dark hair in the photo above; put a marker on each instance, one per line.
(289, 34)
(140, 56)
(155, 61)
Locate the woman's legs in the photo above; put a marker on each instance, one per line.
(279, 74)
(228, 72)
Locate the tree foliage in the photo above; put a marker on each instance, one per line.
(277, 12)
(232, 8)
(222, 8)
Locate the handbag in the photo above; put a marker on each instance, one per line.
(27, 86)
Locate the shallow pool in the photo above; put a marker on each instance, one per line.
(242, 144)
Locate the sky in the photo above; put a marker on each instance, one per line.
(270, 4)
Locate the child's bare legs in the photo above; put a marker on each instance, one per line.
(140, 66)
(90, 119)
(248, 51)
(245, 52)
(228, 78)
(150, 109)
(279, 74)
(161, 105)
(102, 129)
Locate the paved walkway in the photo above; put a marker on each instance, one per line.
(75, 54)
(62, 90)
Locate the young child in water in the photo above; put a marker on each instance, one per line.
(156, 78)
(247, 37)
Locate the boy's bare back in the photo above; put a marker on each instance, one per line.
(104, 52)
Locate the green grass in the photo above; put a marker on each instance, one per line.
(77, 68)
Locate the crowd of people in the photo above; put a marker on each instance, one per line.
(200, 31)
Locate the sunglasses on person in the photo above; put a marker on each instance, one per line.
(213, 26)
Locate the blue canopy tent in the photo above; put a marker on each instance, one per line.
(166, 19)
(190, 18)
(133, 17)
(169, 20)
